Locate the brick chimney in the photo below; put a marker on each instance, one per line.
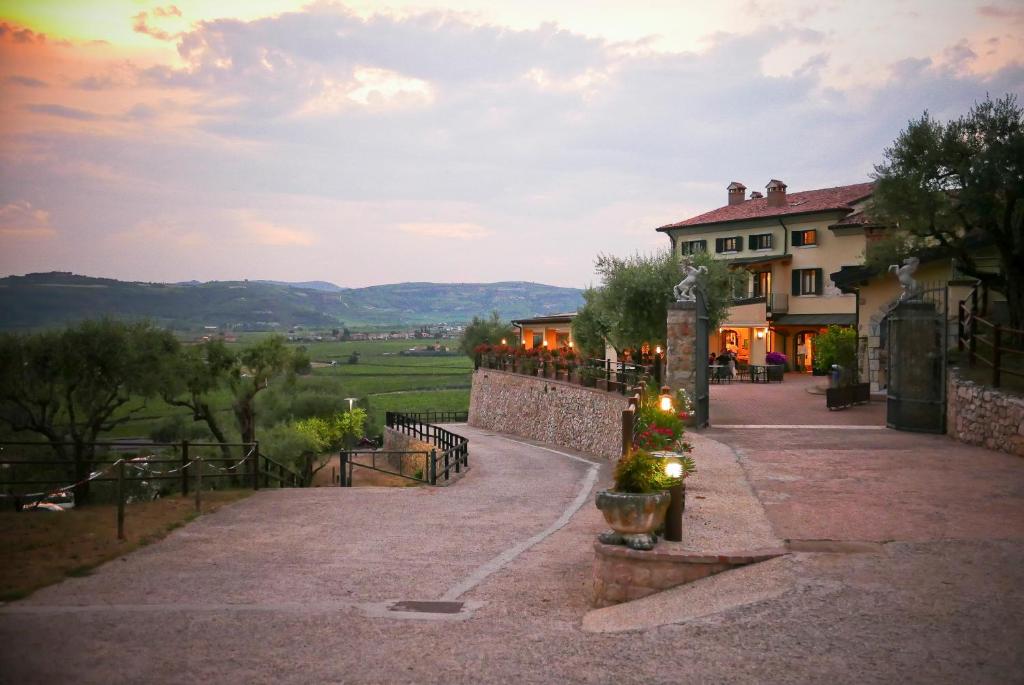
(737, 193)
(776, 193)
(756, 195)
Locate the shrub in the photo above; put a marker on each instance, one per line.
(837, 346)
(775, 358)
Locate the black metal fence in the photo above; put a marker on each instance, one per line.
(449, 453)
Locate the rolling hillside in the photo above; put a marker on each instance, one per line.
(51, 299)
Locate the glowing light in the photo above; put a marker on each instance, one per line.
(665, 403)
(504, 342)
(657, 350)
(760, 333)
(673, 469)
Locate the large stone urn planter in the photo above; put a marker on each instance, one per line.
(633, 517)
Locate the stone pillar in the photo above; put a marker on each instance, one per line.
(680, 353)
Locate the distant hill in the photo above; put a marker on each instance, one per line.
(309, 285)
(42, 300)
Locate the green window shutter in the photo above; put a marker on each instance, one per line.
(798, 238)
(819, 281)
(796, 281)
(719, 242)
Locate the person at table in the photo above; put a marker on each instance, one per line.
(711, 359)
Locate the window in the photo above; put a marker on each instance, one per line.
(728, 244)
(761, 241)
(807, 281)
(762, 283)
(805, 238)
(693, 246)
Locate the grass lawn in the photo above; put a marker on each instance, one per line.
(42, 548)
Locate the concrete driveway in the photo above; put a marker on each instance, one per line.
(294, 586)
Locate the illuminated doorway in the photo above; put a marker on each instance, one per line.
(805, 351)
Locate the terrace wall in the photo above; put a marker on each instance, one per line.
(551, 411)
(981, 415)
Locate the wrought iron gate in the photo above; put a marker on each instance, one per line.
(918, 334)
(701, 401)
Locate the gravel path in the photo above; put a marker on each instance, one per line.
(292, 586)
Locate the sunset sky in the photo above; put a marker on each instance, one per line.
(365, 143)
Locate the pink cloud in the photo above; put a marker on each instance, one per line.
(22, 220)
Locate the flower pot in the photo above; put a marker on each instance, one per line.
(632, 516)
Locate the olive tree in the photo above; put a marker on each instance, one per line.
(74, 385)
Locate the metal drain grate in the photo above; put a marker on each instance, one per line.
(427, 607)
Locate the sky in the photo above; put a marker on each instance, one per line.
(466, 141)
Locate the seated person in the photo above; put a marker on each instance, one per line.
(711, 359)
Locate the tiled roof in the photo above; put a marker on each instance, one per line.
(858, 218)
(825, 199)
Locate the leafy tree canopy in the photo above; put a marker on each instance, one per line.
(491, 330)
(957, 184)
(630, 307)
(70, 386)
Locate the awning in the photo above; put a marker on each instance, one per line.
(747, 261)
(540, 320)
(815, 320)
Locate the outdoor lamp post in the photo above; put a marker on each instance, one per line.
(674, 517)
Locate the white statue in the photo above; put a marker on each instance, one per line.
(683, 291)
(905, 274)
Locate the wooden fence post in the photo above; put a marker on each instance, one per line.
(960, 326)
(199, 484)
(255, 465)
(627, 431)
(972, 339)
(120, 500)
(184, 469)
(343, 469)
(433, 467)
(997, 357)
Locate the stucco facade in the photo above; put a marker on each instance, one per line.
(786, 245)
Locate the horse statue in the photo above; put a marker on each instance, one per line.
(683, 291)
(905, 274)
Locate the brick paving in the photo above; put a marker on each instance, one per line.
(788, 402)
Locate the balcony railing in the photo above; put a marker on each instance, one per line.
(778, 303)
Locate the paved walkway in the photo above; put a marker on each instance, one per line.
(293, 586)
(789, 403)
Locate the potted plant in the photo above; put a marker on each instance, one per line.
(636, 506)
(776, 362)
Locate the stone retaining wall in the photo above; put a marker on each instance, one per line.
(981, 415)
(551, 411)
(622, 574)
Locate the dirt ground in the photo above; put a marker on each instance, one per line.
(361, 478)
(41, 547)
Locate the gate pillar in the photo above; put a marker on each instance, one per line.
(686, 354)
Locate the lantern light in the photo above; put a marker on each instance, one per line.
(673, 469)
(665, 399)
(504, 341)
(571, 345)
(760, 333)
(545, 343)
(657, 350)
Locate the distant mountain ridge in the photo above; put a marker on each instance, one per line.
(42, 300)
